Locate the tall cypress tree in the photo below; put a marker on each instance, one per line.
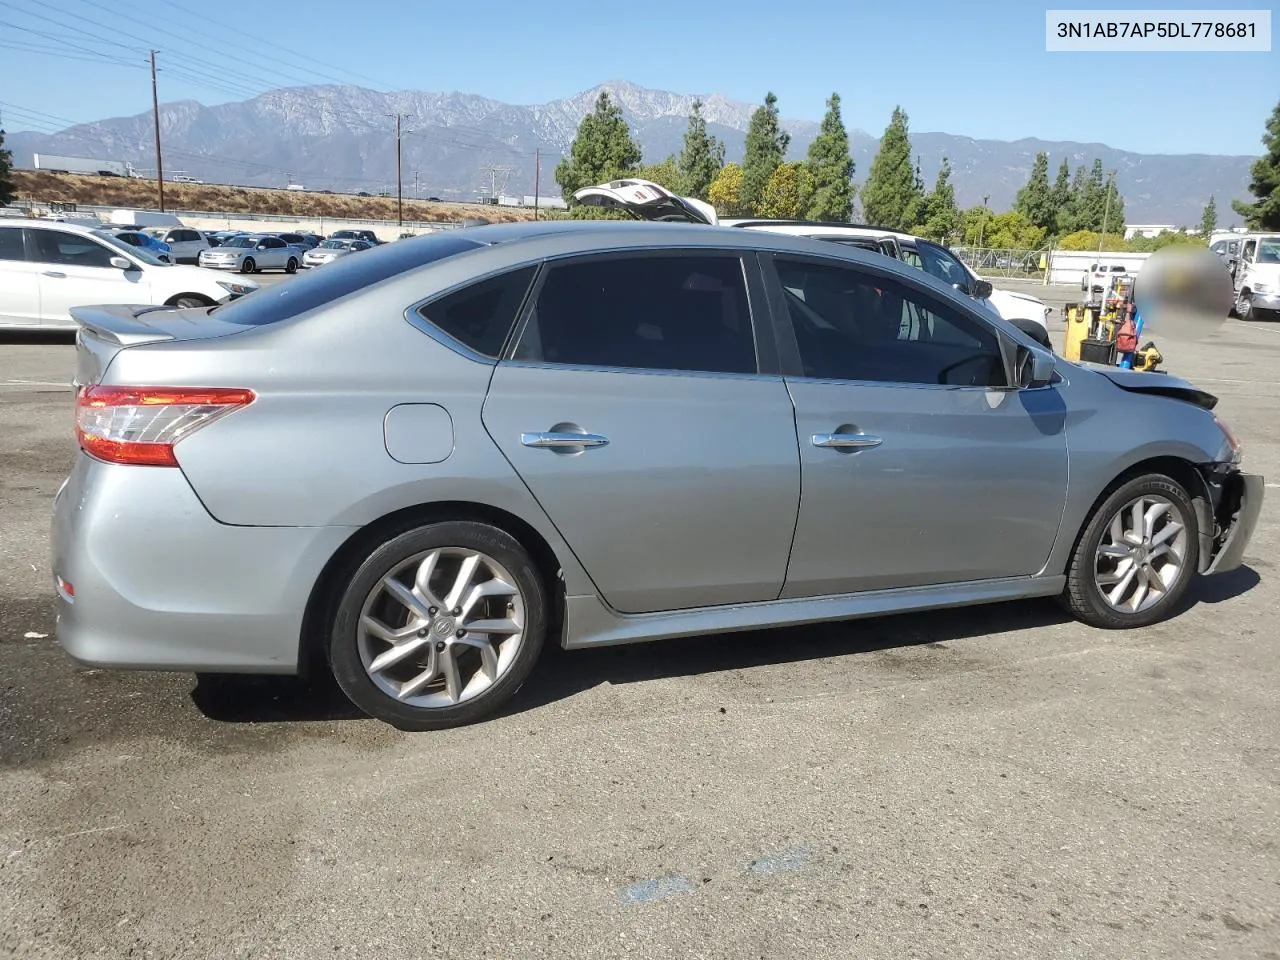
(603, 150)
(766, 147)
(1035, 199)
(1264, 182)
(1209, 219)
(702, 157)
(1060, 198)
(891, 191)
(831, 168)
(6, 172)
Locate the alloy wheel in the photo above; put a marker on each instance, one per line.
(441, 628)
(1142, 555)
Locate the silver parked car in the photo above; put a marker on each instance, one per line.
(593, 433)
(253, 254)
(331, 250)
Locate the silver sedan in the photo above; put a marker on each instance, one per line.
(419, 466)
(252, 254)
(331, 250)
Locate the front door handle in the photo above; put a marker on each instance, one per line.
(563, 441)
(846, 441)
(55, 273)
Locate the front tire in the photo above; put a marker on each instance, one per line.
(1136, 556)
(1244, 306)
(247, 265)
(439, 626)
(190, 300)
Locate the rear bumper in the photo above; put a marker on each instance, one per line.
(1237, 516)
(160, 585)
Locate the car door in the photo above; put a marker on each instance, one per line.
(19, 283)
(633, 407)
(918, 466)
(75, 270)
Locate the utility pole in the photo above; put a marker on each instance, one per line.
(155, 108)
(399, 181)
(537, 177)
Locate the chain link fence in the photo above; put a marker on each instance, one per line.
(1020, 264)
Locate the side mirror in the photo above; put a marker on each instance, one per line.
(120, 263)
(1034, 368)
(981, 289)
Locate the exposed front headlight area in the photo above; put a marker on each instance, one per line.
(236, 289)
(1233, 442)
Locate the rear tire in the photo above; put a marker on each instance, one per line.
(439, 626)
(291, 266)
(1136, 556)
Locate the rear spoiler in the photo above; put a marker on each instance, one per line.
(122, 324)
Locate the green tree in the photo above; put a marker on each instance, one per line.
(891, 188)
(1088, 240)
(1165, 238)
(940, 219)
(665, 173)
(1060, 197)
(1093, 197)
(1209, 220)
(702, 157)
(830, 166)
(1112, 207)
(975, 226)
(766, 147)
(602, 151)
(725, 192)
(1264, 182)
(788, 193)
(1013, 231)
(1035, 199)
(6, 172)
(1073, 215)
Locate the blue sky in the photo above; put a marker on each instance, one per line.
(977, 69)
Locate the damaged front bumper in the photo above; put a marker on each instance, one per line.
(1228, 517)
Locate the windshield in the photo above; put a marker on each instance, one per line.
(342, 277)
(137, 253)
(336, 244)
(241, 242)
(943, 265)
(1269, 250)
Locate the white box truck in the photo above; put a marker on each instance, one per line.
(143, 218)
(113, 168)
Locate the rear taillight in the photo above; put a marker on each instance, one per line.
(140, 425)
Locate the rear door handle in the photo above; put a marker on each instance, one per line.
(846, 441)
(55, 273)
(563, 441)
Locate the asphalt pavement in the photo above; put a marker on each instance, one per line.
(990, 782)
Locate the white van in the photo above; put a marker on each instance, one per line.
(1257, 276)
(143, 218)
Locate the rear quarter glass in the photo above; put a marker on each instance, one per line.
(344, 276)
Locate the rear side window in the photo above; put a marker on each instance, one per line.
(684, 312)
(340, 278)
(11, 244)
(480, 316)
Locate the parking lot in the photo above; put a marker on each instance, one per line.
(989, 782)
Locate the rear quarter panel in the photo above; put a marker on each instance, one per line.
(1110, 430)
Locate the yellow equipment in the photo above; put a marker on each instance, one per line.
(1080, 321)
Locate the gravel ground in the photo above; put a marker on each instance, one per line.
(994, 782)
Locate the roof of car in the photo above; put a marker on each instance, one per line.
(50, 225)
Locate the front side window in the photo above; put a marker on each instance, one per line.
(939, 263)
(855, 326)
(11, 244)
(480, 316)
(69, 249)
(686, 312)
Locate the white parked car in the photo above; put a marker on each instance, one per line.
(330, 250)
(1257, 277)
(251, 254)
(46, 268)
(651, 201)
(185, 244)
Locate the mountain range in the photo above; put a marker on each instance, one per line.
(458, 146)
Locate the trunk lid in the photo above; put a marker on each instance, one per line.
(648, 201)
(106, 330)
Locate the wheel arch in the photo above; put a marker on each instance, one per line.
(1185, 473)
(326, 592)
